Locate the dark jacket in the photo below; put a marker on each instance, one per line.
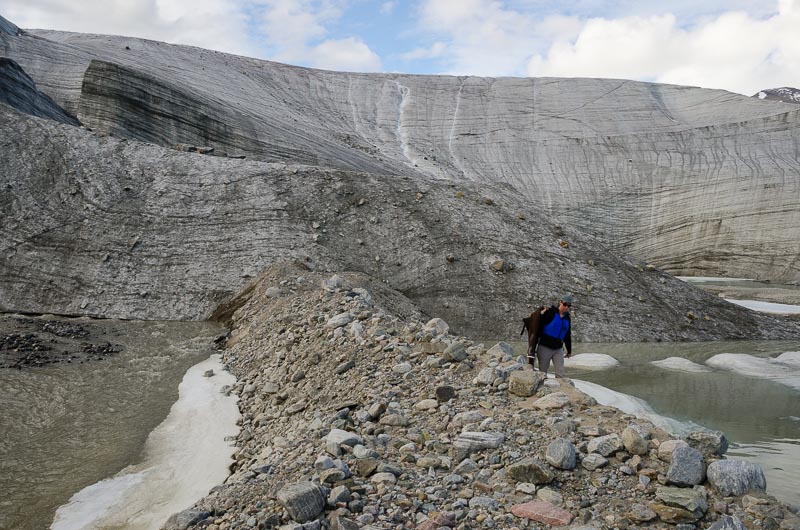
(552, 342)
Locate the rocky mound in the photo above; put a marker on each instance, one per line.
(698, 182)
(102, 226)
(355, 417)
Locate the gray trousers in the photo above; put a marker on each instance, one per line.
(545, 354)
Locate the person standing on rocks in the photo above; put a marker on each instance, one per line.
(555, 335)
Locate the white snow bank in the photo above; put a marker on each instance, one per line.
(185, 457)
(679, 364)
(591, 361)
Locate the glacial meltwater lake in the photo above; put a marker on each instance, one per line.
(118, 441)
(750, 390)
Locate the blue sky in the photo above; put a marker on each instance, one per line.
(737, 45)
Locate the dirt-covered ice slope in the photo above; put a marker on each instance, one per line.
(112, 227)
(697, 181)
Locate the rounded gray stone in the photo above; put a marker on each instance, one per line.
(561, 454)
(687, 467)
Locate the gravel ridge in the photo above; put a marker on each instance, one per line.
(358, 412)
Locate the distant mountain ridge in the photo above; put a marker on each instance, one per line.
(786, 94)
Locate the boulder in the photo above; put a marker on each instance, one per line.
(303, 500)
(437, 326)
(672, 514)
(445, 393)
(694, 501)
(338, 437)
(593, 461)
(561, 454)
(530, 470)
(456, 352)
(666, 448)
(501, 350)
(543, 512)
(469, 416)
(525, 383)
(727, 523)
(340, 320)
(556, 400)
(426, 404)
(640, 513)
(470, 442)
(481, 501)
(687, 468)
(633, 441)
(708, 442)
(486, 376)
(605, 445)
(736, 477)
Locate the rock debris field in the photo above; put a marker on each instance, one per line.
(356, 413)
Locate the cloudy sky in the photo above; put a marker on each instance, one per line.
(738, 45)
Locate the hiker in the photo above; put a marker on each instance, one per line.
(554, 335)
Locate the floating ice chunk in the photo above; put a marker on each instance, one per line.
(767, 307)
(679, 364)
(785, 372)
(789, 357)
(591, 361)
(635, 406)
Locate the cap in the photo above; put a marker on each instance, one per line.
(568, 298)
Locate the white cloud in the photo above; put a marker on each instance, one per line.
(350, 55)
(733, 44)
(484, 37)
(292, 31)
(295, 32)
(214, 24)
(289, 25)
(733, 50)
(437, 49)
